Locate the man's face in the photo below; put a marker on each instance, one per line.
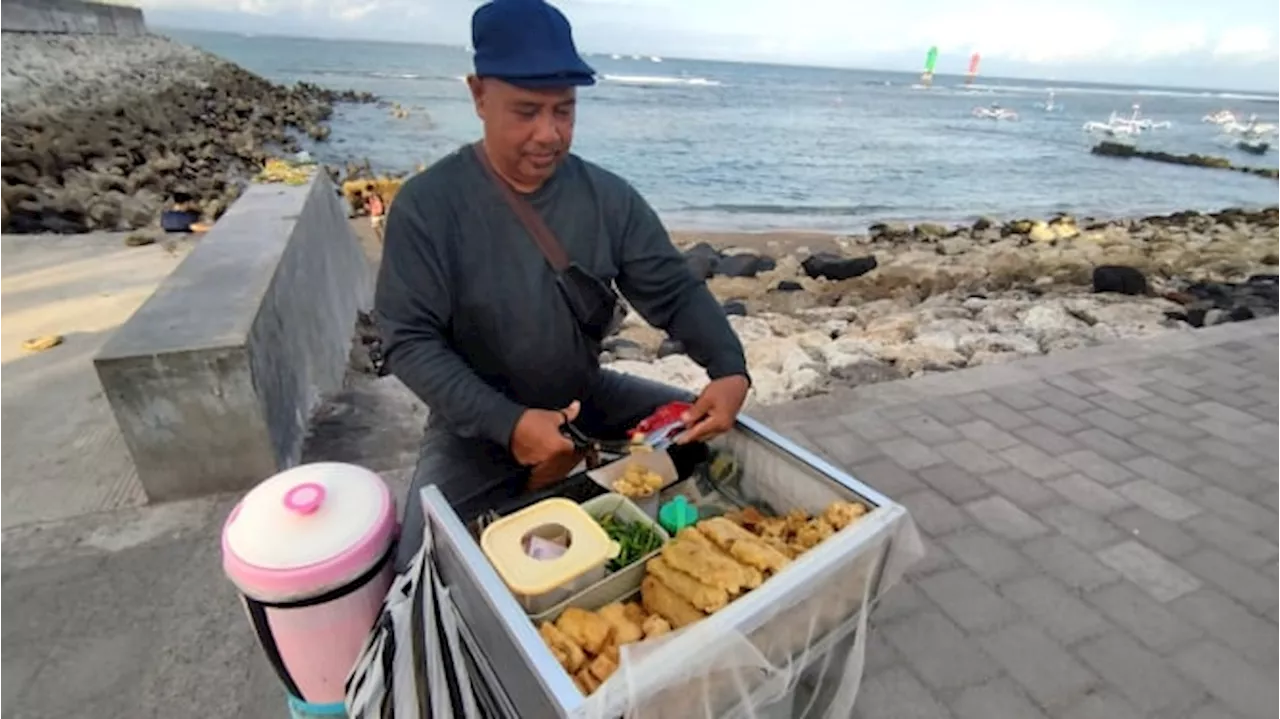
(527, 132)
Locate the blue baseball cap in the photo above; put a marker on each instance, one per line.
(527, 43)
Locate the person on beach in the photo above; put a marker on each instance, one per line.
(495, 288)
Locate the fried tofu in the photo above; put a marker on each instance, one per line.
(586, 682)
(743, 545)
(603, 666)
(566, 651)
(702, 596)
(697, 560)
(634, 612)
(655, 626)
(841, 514)
(813, 533)
(588, 629)
(624, 629)
(785, 549)
(748, 577)
(659, 599)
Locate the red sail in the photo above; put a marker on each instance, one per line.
(973, 68)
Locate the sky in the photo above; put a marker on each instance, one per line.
(1231, 44)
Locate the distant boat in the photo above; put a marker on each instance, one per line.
(616, 57)
(654, 58)
(994, 112)
(1049, 105)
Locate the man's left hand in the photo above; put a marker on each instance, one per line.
(715, 410)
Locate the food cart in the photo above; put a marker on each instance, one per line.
(792, 647)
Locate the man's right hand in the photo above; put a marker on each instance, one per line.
(537, 439)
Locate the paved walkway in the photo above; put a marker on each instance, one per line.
(1101, 529)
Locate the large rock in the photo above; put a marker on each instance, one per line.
(743, 265)
(834, 267)
(1121, 280)
(675, 370)
(702, 260)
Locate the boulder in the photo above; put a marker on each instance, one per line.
(702, 260)
(789, 286)
(931, 230)
(675, 370)
(734, 307)
(1119, 279)
(834, 267)
(954, 245)
(983, 223)
(743, 265)
(889, 230)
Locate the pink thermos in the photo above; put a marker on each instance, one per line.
(310, 550)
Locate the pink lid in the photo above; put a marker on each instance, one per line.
(307, 530)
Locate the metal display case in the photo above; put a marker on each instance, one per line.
(792, 647)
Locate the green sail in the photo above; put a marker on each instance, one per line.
(931, 59)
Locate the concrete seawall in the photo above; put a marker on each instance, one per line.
(71, 17)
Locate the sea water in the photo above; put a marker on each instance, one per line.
(752, 147)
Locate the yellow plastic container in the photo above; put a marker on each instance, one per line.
(539, 584)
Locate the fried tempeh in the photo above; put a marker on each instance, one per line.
(749, 577)
(565, 650)
(656, 626)
(813, 533)
(659, 599)
(588, 629)
(624, 629)
(635, 612)
(702, 596)
(743, 545)
(586, 682)
(603, 666)
(696, 560)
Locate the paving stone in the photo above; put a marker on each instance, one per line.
(988, 557)
(898, 412)
(880, 655)
(1106, 444)
(1046, 439)
(997, 699)
(1158, 500)
(1019, 396)
(1170, 427)
(895, 692)
(1154, 574)
(1229, 476)
(953, 482)
(933, 513)
(969, 399)
(1000, 415)
(1074, 385)
(971, 457)
(1229, 678)
(1064, 401)
(1068, 563)
(948, 411)
(1020, 489)
(1173, 393)
(1056, 419)
(1118, 405)
(1110, 421)
(1233, 540)
(1164, 405)
(1033, 461)
(1124, 389)
(1087, 530)
(1088, 494)
(1232, 453)
(1160, 534)
(1044, 669)
(928, 429)
(1003, 518)
(1176, 378)
(1231, 507)
(1054, 608)
(910, 453)
(1097, 467)
(935, 559)
(1140, 615)
(1163, 446)
(971, 604)
(987, 435)
(844, 448)
(939, 652)
(887, 476)
(1139, 675)
(902, 599)
(1233, 433)
(1252, 589)
(1164, 474)
(1231, 415)
(1213, 709)
(871, 426)
(1230, 623)
(1103, 704)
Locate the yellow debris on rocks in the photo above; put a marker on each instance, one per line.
(290, 173)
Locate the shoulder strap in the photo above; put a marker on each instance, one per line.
(529, 217)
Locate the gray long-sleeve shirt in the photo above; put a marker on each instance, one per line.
(471, 317)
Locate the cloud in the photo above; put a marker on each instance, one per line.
(1245, 42)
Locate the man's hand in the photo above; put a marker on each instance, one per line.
(538, 443)
(715, 410)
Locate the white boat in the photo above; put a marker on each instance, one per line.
(1252, 137)
(1251, 127)
(655, 58)
(1049, 105)
(1221, 117)
(1117, 127)
(994, 112)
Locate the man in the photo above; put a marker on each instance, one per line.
(473, 317)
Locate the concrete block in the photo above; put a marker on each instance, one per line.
(970, 603)
(212, 381)
(1044, 669)
(1002, 517)
(1054, 608)
(1072, 566)
(1157, 576)
(1158, 500)
(1140, 615)
(1156, 532)
(939, 652)
(988, 557)
(997, 699)
(71, 17)
(1087, 530)
(1231, 679)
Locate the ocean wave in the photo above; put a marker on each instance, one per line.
(771, 209)
(375, 74)
(1153, 92)
(660, 80)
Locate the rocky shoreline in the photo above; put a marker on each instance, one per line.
(902, 301)
(103, 132)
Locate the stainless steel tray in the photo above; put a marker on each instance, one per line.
(826, 585)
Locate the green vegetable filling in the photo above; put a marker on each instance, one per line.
(636, 539)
